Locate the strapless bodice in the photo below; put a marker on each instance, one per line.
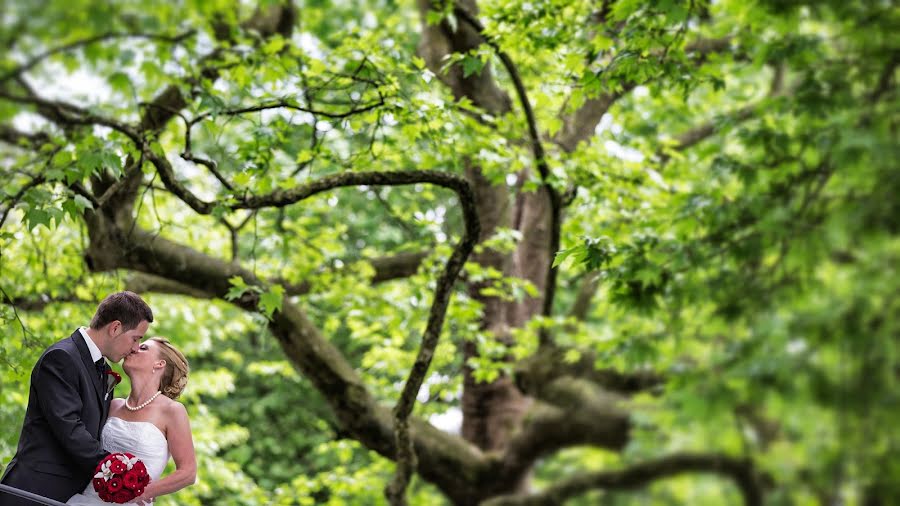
(142, 439)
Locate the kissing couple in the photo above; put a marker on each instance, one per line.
(73, 423)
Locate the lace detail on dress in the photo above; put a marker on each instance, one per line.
(142, 439)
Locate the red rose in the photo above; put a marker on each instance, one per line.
(114, 484)
(98, 482)
(140, 468)
(131, 479)
(122, 496)
(117, 466)
(139, 492)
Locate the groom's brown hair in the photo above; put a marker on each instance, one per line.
(127, 307)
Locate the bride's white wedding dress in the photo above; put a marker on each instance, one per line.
(142, 439)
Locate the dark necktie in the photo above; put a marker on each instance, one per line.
(101, 368)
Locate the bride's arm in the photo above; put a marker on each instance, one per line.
(181, 447)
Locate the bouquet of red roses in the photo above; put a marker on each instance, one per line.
(120, 478)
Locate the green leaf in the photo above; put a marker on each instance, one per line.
(601, 42)
(126, 57)
(490, 291)
(242, 178)
(119, 81)
(271, 301)
(275, 44)
(471, 65)
(239, 287)
(62, 159)
(562, 255)
(35, 217)
(71, 209)
(55, 174)
(211, 102)
(219, 211)
(150, 70)
(434, 17)
(82, 203)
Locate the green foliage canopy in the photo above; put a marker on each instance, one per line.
(730, 224)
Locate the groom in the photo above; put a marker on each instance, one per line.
(59, 446)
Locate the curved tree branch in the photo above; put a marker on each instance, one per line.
(68, 114)
(695, 135)
(885, 78)
(577, 413)
(580, 125)
(35, 60)
(15, 137)
(386, 268)
(37, 180)
(209, 164)
(741, 471)
(281, 198)
(536, 373)
(541, 163)
(38, 302)
(406, 459)
(397, 266)
(536, 146)
(284, 104)
(586, 290)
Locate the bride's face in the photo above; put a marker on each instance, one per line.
(146, 358)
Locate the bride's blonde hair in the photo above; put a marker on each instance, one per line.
(175, 376)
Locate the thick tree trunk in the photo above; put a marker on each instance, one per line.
(490, 410)
(532, 257)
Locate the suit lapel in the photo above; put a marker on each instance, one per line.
(99, 387)
(107, 401)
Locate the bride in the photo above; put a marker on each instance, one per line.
(150, 423)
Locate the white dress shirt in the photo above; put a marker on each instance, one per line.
(95, 351)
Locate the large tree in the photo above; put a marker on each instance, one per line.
(661, 232)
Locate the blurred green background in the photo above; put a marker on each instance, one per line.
(729, 178)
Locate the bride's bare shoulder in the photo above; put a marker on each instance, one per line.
(173, 408)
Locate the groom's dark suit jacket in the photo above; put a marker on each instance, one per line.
(59, 446)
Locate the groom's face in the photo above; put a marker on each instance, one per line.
(124, 341)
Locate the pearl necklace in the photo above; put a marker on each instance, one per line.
(143, 404)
